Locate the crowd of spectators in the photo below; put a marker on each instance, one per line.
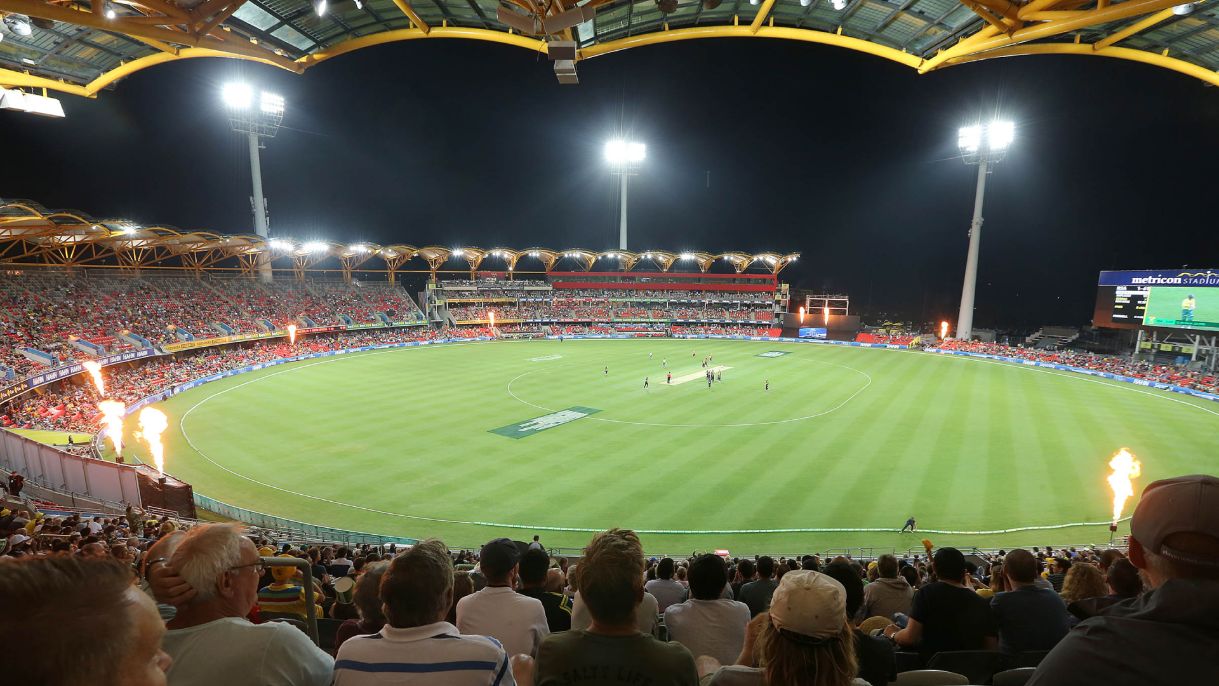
(1200, 380)
(47, 311)
(138, 600)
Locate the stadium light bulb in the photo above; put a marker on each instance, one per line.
(110, 13)
(622, 152)
(969, 138)
(359, 248)
(237, 95)
(687, 256)
(458, 252)
(270, 103)
(280, 244)
(838, 5)
(314, 246)
(999, 135)
(319, 6)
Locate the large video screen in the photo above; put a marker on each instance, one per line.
(1185, 308)
(1124, 299)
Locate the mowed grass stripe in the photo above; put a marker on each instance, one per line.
(408, 431)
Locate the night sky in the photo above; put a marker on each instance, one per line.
(752, 145)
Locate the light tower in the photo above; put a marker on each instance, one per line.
(257, 116)
(625, 158)
(983, 145)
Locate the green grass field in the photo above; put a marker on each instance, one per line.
(403, 442)
(1164, 307)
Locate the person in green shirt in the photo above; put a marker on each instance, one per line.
(612, 650)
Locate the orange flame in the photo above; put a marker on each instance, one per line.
(1125, 467)
(292, 334)
(801, 314)
(153, 423)
(112, 419)
(943, 329)
(493, 319)
(826, 311)
(95, 370)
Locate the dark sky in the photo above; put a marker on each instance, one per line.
(846, 158)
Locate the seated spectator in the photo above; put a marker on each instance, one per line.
(708, 624)
(646, 616)
(210, 639)
(416, 645)
(1123, 582)
(612, 650)
(874, 654)
(71, 621)
(805, 638)
(889, 594)
(517, 621)
(463, 585)
(1168, 634)
(745, 571)
(1059, 566)
(944, 614)
(367, 600)
(756, 594)
(667, 591)
(1028, 617)
(1083, 581)
(534, 569)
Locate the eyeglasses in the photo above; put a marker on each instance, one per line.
(258, 566)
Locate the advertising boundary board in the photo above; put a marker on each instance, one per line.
(261, 519)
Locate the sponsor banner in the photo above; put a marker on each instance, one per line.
(67, 370)
(1162, 277)
(813, 332)
(320, 329)
(546, 421)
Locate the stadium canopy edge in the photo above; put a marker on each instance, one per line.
(83, 47)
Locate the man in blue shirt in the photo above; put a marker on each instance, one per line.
(1028, 617)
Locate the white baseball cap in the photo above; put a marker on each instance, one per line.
(809, 603)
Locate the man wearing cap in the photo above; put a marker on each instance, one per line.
(1170, 634)
(517, 621)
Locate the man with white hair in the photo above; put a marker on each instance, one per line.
(210, 639)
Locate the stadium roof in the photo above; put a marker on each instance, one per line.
(35, 236)
(84, 46)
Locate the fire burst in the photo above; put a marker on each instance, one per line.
(112, 419)
(1125, 467)
(153, 423)
(95, 370)
(292, 334)
(492, 319)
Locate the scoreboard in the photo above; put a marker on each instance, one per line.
(1178, 298)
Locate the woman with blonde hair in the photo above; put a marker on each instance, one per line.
(805, 638)
(1083, 581)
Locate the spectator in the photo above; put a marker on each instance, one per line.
(535, 566)
(340, 566)
(71, 621)
(889, 594)
(1123, 582)
(1083, 581)
(873, 654)
(667, 591)
(708, 624)
(944, 614)
(517, 621)
(804, 639)
(611, 582)
(756, 594)
(1058, 573)
(463, 585)
(210, 639)
(416, 645)
(367, 600)
(745, 571)
(1168, 634)
(1028, 617)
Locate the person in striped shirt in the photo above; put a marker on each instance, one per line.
(417, 646)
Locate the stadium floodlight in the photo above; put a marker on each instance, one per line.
(110, 13)
(687, 256)
(838, 5)
(320, 7)
(624, 157)
(359, 248)
(280, 244)
(458, 252)
(983, 145)
(314, 246)
(257, 116)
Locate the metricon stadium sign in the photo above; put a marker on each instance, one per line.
(549, 421)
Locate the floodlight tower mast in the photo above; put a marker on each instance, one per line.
(257, 116)
(983, 145)
(625, 157)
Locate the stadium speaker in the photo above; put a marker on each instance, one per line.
(711, 4)
(568, 19)
(667, 6)
(520, 22)
(561, 50)
(565, 72)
